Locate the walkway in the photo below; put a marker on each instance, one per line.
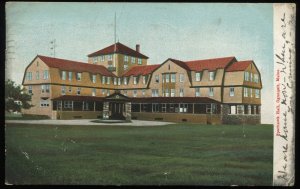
(89, 122)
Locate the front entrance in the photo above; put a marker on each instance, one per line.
(117, 109)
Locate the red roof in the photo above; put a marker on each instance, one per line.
(239, 66)
(209, 64)
(180, 63)
(70, 65)
(120, 48)
(141, 70)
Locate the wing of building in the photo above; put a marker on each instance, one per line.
(117, 83)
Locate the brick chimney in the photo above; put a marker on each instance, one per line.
(137, 48)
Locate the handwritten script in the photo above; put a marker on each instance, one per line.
(284, 99)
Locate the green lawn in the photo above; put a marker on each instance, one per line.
(181, 154)
(25, 117)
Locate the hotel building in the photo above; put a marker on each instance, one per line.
(117, 83)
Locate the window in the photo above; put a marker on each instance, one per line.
(211, 91)
(70, 89)
(30, 89)
(125, 58)
(93, 92)
(156, 78)
(135, 80)
(63, 75)
(37, 75)
(181, 93)
(251, 77)
(78, 76)
(144, 79)
(164, 106)
(37, 63)
(68, 104)
(211, 76)
(249, 109)
(246, 76)
(134, 93)
(119, 81)
(256, 78)
(95, 60)
(250, 92)
(172, 92)
(139, 61)
(197, 92)
(154, 92)
(103, 91)
(181, 78)
(63, 90)
(78, 90)
(143, 92)
(169, 67)
(29, 75)
(167, 78)
(108, 93)
(103, 79)
(115, 81)
(173, 78)
(70, 76)
(125, 66)
(233, 109)
(125, 81)
(231, 91)
(44, 103)
(245, 92)
(108, 80)
(102, 58)
(257, 93)
(133, 60)
(125, 92)
(45, 88)
(198, 76)
(109, 57)
(46, 74)
(183, 107)
(94, 78)
(167, 92)
(240, 109)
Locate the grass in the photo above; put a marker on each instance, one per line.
(25, 117)
(181, 154)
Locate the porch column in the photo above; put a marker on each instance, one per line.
(61, 105)
(211, 108)
(82, 105)
(94, 106)
(72, 106)
(140, 107)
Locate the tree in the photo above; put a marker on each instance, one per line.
(15, 93)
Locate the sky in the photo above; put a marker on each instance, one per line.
(184, 31)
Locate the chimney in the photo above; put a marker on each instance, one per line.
(137, 48)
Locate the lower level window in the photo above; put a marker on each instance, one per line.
(183, 108)
(67, 104)
(44, 103)
(233, 109)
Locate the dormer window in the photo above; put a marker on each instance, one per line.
(109, 57)
(108, 80)
(103, 79)
(94, 78)
(95, 60)
(132, 60)
(119, 81)
(125, 80)
(125, 58)
(144, 79)
(211, 76)
(198, 76)
(135, 80)
(115, 81)
(139, 61)
(63, 75)
(78, 76)
(102, 58)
